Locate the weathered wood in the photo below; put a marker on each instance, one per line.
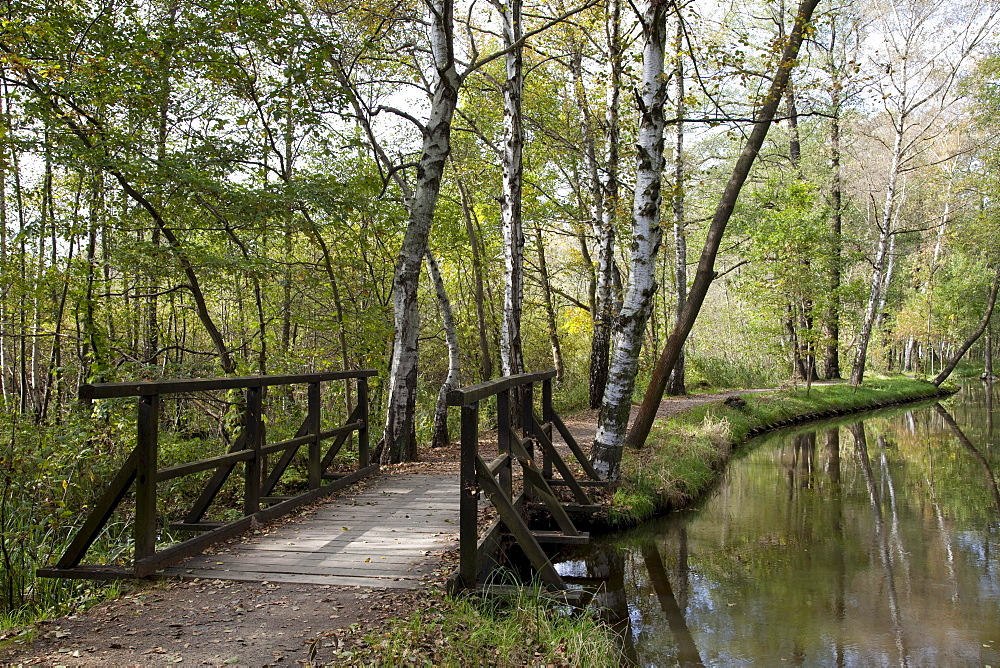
(560, 538)
(552, 455)
(170, 472)
(505, 476)
(512, 519)
(193, 546)
(468, 494)
(145, 477)
(480, 391)
(363, 430)
(341, 544)
(255, 440)
(215, 483)
(584, 461)
(315, 472)
(90, 391)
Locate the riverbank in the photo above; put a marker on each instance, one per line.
(217, 623)
(687, 451)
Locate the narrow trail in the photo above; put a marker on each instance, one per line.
(216, 622)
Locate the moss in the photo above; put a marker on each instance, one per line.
(685, 453)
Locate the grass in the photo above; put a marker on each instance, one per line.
(685, 454)
(520, 628)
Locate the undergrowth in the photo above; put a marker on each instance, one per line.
(516, 627)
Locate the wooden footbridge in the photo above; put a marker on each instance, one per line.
(377, 530)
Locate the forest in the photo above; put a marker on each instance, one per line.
(648, 197)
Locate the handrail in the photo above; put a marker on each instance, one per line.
(518, 434)
(89, 391)
(141, 467)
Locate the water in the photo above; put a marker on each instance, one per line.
(856, 544)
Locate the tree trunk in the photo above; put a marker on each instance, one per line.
(550, 311)
(604, 302)
(646, 236)
(881, 260)
(984, 323)
(440, 435)
(705, 272)
(831, 320)
(675, 386)
(511, 355)
(399, 438)
(486, 356)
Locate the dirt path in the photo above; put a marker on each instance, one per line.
(219, 623)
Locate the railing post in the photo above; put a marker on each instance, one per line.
(504, 476)
(363, 430)
(254, 425)
(468, 504)
(527, 433)
(315, 475)
(547, 413)
(145, 479)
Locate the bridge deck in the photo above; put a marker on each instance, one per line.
(384, 536)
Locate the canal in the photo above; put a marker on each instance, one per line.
(874, 541)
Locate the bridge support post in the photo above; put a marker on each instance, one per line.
(468, 513)
(147, 440)
(363, 429)
(254, 425)
(315, 474)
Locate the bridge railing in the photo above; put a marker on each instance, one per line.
(523, 438)
(141, 469)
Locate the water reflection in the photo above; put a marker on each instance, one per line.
(874, 542)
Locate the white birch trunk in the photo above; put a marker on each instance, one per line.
(399, 439)
(881, 259)
(604, 227)
(511, 356)
(646, 236)
(676, 384)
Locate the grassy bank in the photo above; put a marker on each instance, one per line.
(516, 629)
(685, 453)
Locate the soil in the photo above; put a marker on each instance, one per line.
(219, 623)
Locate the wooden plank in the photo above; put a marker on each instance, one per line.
(298, 578)
(588, 468)
(145, 475)
(192, 546)
(372, 551)
(516, 526)
(255, 439)
(552, 455)
(170, 472)
(215, 483)
(468, 496)
(475, 393)
(90, 391)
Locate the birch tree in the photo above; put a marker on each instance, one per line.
(646, 237)
(705, 272)
(511, 354)
(921, 63)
